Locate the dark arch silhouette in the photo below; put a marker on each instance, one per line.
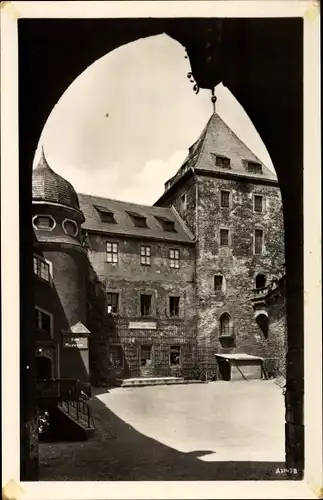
(261, 280)
(260, 61)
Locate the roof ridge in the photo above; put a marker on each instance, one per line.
(120, 201)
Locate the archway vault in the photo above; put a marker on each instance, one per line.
(259, 60)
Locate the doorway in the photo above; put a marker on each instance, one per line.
(43, 368)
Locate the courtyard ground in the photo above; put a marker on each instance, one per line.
(219, 430)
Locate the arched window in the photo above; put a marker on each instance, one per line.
(225, 325)
(260, 281)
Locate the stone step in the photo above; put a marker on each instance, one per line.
(144, 381)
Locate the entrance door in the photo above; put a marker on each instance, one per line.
(146, 361)
(43, 367)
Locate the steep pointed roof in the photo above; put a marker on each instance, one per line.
(218, 140)
(51, 187)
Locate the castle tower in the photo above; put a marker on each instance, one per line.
(60, 267)
(232, 203)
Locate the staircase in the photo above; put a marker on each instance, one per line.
(150, 381)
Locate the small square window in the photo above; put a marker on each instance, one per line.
(258, 203)
(225, 199)
(222, 161)
(218, 283)
(112, 252)
(43, 321)
(224, 237)
(174, 306)
(175, 356)
(113, 302)
(174, 258)
(41, 268)
(145, 305)
(254, 167)
(145, 254)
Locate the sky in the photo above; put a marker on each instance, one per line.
(124, 126)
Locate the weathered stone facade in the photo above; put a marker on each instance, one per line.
(127, 328)
(164, 290)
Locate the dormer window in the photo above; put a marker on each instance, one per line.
(254, 167)
(222, 161)
(167, 224)
(106, 215)
(137, 219)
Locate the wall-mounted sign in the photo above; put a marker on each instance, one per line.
(142, 325)
(75, 342)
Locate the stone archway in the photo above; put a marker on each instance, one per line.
(242, 53)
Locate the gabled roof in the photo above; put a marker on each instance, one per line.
(124, 223)
(217, 139)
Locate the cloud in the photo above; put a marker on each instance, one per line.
(143, 186)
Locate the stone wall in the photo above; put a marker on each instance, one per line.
(237, 263)
(130, 279)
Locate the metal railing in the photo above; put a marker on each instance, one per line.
(79, 410)
(62, 389)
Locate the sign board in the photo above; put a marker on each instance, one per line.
(75, 342)
(142, 325)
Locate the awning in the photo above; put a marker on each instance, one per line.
(239, 357)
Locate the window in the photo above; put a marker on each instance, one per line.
(225, 325)
(174, 306)
(218, 283)
(137, 219)
(145, 254)
(174, 356)
(224, 237)
(261, 281)
(70, 227)
(258, 203)
(254, 167)
(183, 202)
(259, 236)
(43, 321)
(113, 302)
(167, 224)
(116, 356)
(44, 222)
(145, 305)
(222, 161)
(105, 214)
(174, 258)
(41, 268)
(146, 355)
(112, 252)
(225, 199)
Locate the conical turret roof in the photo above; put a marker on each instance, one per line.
(51, 187)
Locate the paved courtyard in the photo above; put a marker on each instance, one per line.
(219, 430)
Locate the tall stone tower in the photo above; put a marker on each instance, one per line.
(232, 203)
(60, 269)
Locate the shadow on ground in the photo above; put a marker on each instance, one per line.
(119, 452)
